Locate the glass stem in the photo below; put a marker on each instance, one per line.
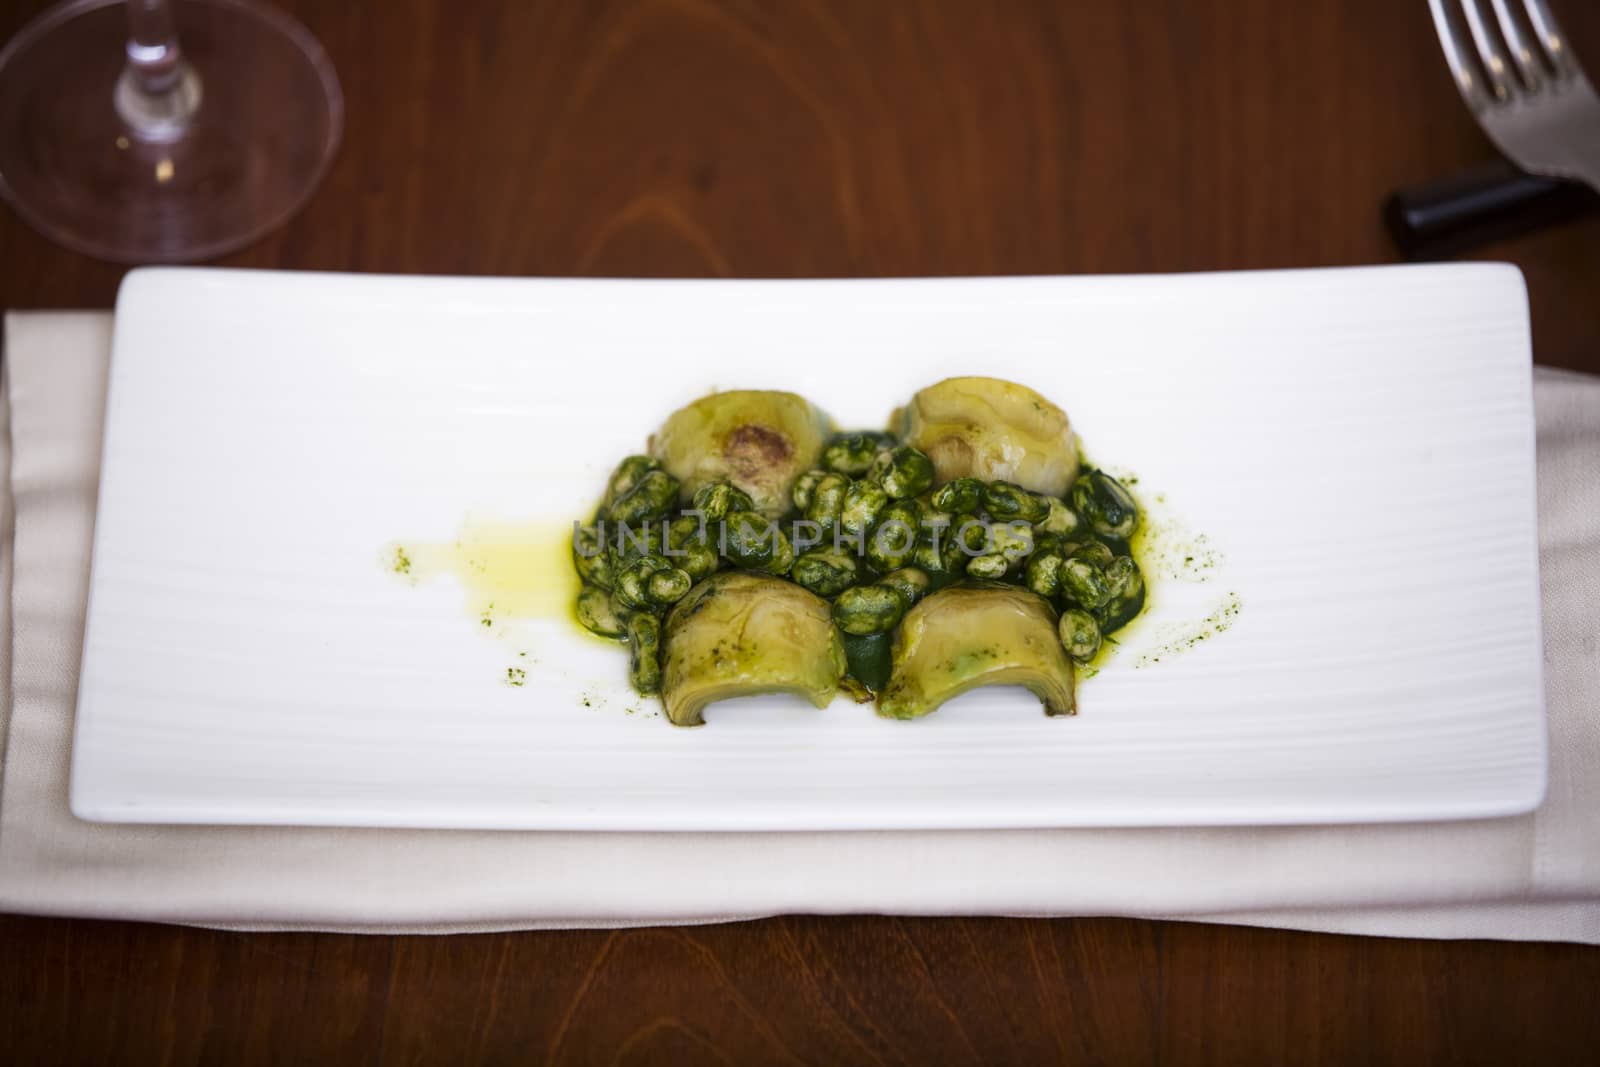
(158, 93)
(153, 53)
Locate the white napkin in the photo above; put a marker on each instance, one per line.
(1536, 877)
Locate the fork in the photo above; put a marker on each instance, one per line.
(1514, 68)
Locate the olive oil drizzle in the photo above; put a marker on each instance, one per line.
(508, 570)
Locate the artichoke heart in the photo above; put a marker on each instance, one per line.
(994, 430)
(976, 634)
(759, 441)
(739, 634)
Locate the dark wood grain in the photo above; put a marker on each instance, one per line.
(794, 990)
(797, 138)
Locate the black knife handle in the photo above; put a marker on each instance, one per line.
(1488, 203)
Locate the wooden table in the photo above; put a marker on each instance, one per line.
(854, 137)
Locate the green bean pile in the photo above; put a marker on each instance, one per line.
(884, 537)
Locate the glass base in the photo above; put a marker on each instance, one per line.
(269, 118)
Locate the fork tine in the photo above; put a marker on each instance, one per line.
(1517, 43)
(1554, 42)
(1458, 56)
(1495, 63)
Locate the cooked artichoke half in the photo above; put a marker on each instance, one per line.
(974, 634)
(760, 441)
(739, 634)
(994, 430)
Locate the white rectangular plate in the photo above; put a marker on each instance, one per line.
(1355, 445)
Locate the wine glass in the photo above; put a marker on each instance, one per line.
(117, 142)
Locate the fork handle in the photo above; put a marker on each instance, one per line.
(1488, 203)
